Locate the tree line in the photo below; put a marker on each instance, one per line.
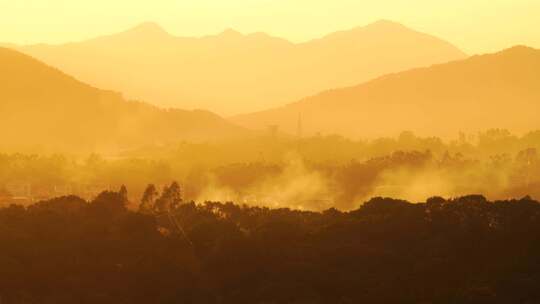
(460, 250)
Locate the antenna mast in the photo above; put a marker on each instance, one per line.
(299, 126)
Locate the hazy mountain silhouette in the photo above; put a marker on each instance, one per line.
(234, 73)
(490, 91)
(43, 107)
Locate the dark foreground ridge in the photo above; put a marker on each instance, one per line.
(463, 250)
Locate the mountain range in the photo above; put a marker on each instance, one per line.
(500, 90)
(232, 73)
(41, 107)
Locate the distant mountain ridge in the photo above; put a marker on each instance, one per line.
(43, 107)
(500, 90)
(235, 73)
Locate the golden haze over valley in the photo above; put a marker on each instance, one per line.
(269, 151)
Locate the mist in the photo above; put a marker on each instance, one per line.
(376, 164)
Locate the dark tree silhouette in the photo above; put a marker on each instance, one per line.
(461, 250)
(123, 192)
(170, 198)
(148, 198)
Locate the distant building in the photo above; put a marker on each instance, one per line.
(62, 190)
(19, 189)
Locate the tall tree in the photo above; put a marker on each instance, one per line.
(148, 198)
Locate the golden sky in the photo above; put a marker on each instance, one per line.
(476, 26)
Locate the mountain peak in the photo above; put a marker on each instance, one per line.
(384, 24)
(518, 49)
(230, 33)
(148, 28)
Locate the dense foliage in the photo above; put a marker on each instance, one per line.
(463, 250)
(310, 173)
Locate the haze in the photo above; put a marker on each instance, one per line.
(476, 26)
(269, 151)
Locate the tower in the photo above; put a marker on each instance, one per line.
(299, 126)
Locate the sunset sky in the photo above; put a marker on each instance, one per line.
(475, 26)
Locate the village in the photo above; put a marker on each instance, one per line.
(24, 194)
